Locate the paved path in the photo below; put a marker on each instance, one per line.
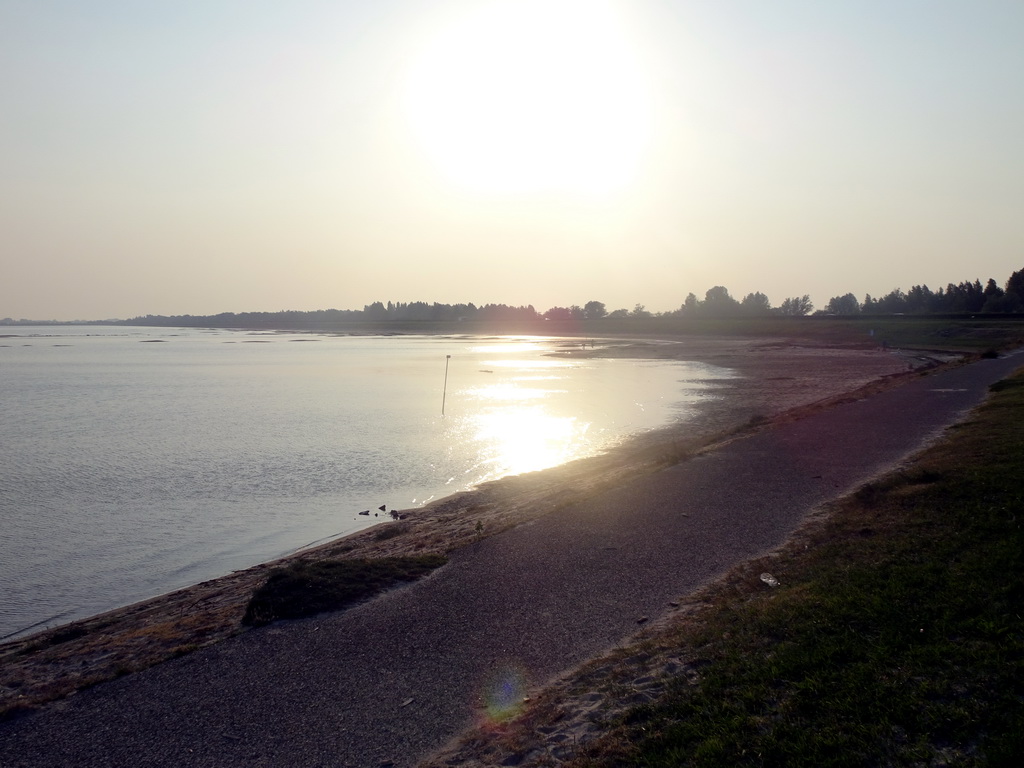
(389, 681)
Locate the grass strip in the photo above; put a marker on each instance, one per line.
(306, 588)
(895, 637)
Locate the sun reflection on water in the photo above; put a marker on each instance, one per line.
(518, 425)
(527, 438)
(530, 365)
(517, 408)
(507, 392)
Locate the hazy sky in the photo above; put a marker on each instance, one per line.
(232, 155)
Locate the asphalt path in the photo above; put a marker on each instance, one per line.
(388, 682)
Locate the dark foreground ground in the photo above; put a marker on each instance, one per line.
(392, 680)
(886, 632)
(765, 379)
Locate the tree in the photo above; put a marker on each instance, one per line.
(718, 302)
(1012, 299)
(594, 310)
(977, 296)
(1007, 303)
(1015, 285)
(894, 302)
(993, 297)
(796, 306)
(639, 311)
(558, 313)
(999, 300)
(505, 313)
(843, 305)
(692, 304)
(965, 297)
(756, 304)
(919, 299)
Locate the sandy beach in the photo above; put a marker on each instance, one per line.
(774, 380)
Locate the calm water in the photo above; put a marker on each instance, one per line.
(137, 460)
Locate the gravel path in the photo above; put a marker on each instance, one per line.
(392, 680)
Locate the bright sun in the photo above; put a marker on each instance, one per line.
(531, 96)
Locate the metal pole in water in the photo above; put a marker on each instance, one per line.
(444, 392)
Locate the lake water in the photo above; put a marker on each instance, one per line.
(137, 460)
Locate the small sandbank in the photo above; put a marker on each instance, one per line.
(773, 380)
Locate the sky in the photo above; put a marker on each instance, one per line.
(228, 156)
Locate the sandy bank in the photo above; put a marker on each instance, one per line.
(775, 380)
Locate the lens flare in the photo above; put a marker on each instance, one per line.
(503, 694)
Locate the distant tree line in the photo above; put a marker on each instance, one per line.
(320, 318)
(421, 311)
(718, 302)
(962, 298)
(965, 297)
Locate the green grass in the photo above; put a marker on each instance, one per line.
(896, 638)
(307, 588)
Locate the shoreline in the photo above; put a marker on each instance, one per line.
(778, 379)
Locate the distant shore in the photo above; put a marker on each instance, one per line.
(775, 378)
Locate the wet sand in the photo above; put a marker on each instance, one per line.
(776, 380)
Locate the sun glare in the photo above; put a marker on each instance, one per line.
(531, 96)
(525, 439)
